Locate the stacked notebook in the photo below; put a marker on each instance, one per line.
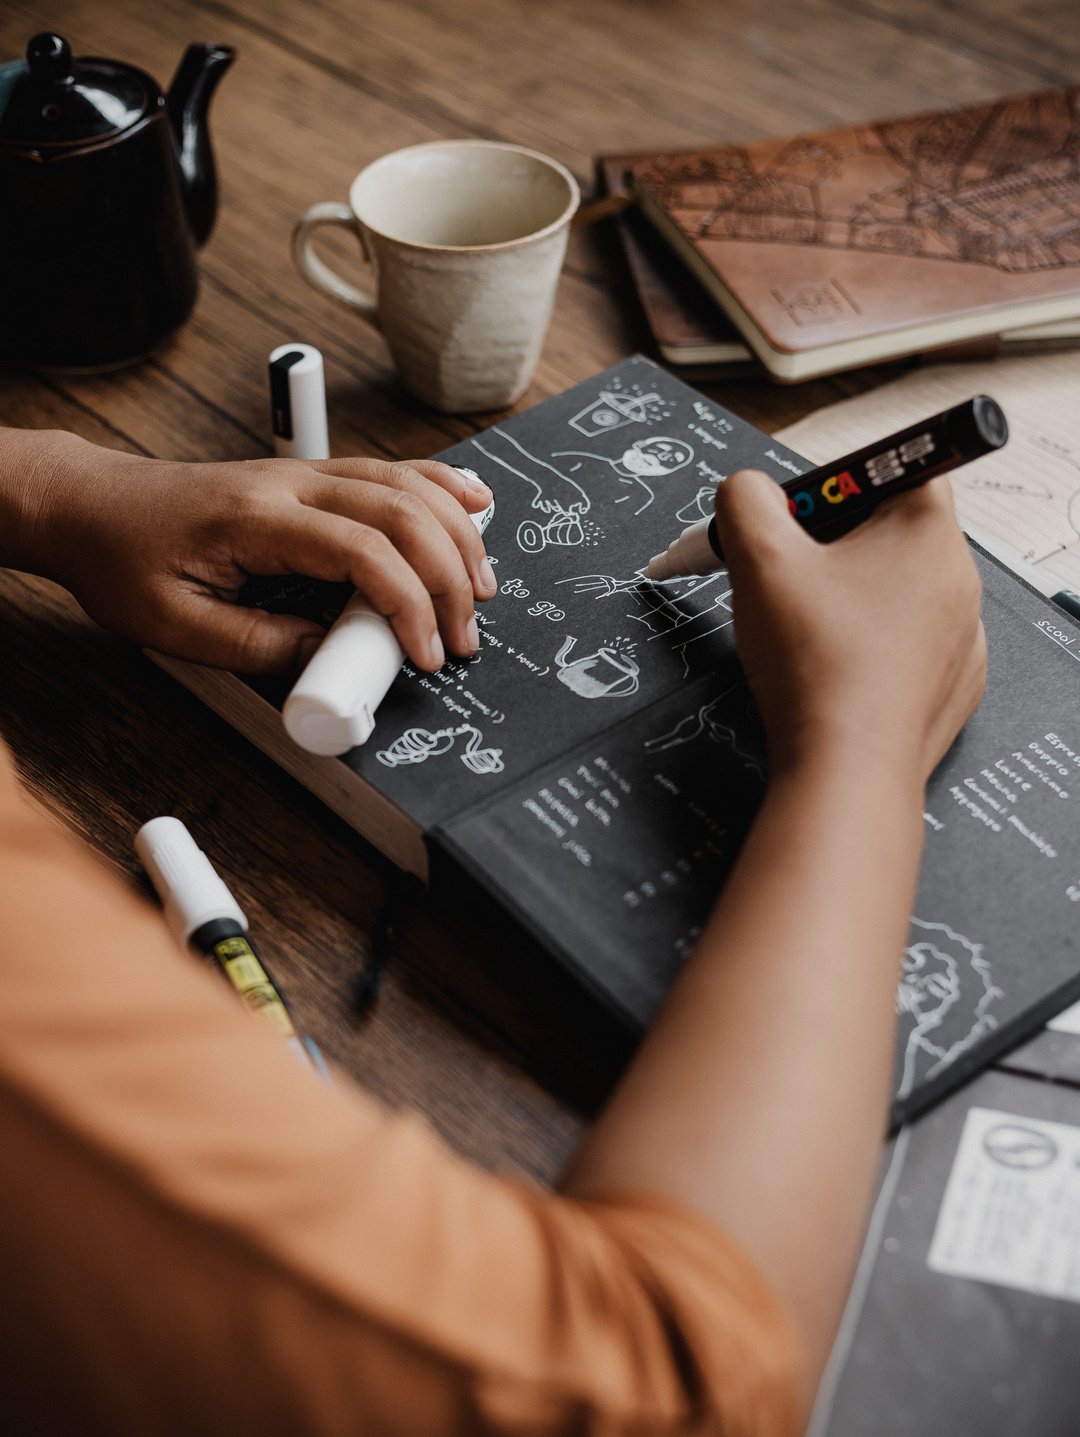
(821, 252)
(964, 1316)
(594, 768)
(689, 329)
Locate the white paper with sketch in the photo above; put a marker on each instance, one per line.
(1026, 495)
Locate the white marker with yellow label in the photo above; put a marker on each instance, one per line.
(202, 914)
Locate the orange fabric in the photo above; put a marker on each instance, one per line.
(197, 1237)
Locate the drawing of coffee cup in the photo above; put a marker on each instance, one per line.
(699, 507)
(565, 527)
(611, 411)
(605, 674)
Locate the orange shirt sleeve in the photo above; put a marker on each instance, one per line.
(196, 1236)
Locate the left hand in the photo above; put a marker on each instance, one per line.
(158, 551)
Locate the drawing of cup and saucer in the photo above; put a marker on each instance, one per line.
(564, 527)
(605, 674)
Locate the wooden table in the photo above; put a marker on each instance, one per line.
(320, 88)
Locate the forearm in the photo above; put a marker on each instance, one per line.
(760, 1096)
(159, 551)
(34, 465)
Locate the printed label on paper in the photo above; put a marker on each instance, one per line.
(1011, 1211)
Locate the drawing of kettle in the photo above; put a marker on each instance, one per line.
(605, 674)
(107, 187)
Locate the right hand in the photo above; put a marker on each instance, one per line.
(871, 645)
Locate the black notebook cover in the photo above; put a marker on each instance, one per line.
(964, 1316)
(588, 486)
(595, 766)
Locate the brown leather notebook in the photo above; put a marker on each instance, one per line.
(867, 243)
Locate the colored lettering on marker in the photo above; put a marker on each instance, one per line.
(834, 490)
(831, 500)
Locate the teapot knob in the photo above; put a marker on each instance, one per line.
(49, 58)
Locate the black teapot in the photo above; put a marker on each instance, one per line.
(107, 187)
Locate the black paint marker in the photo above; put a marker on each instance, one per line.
(829, 501)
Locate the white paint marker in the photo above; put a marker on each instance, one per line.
(298, 402)
(332, 706)
(202, 914)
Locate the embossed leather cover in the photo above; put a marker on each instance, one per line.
(874, 241)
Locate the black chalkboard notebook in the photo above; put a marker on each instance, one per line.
(596, 765)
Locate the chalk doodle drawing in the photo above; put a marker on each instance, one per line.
(417, 745)
(705, 722)
(667, 611)
(610, 672)
(603, 585)
(699, 507)
(563, 527)
(946, 993)
(553, 492)
(652, 458)
(612, 409)
(565, 502)
(670, 609)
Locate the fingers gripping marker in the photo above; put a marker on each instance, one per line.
(331, 708)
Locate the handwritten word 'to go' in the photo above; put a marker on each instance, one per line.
(542, 609)
(547, 610)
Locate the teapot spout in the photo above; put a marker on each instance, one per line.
(188, 102)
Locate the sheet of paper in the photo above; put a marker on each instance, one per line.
(1068, 1021)
(1009, 1212)
(1026, 495)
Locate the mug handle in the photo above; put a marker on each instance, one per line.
(316, 271)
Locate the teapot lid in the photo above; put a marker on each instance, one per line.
(52, 99)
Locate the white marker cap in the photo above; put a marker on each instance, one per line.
(184, 879)
(298, 402)
(331, 707)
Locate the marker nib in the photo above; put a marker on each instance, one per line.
(654, 569)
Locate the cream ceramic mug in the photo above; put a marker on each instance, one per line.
(465, 239)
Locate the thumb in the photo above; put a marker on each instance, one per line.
(232, 636)
(753, 518)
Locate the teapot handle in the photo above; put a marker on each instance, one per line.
(567, 644)
(316, 271)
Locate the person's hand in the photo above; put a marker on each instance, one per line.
(158, 551)
(871, 644)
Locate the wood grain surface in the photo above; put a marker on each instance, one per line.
(468, 1028)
